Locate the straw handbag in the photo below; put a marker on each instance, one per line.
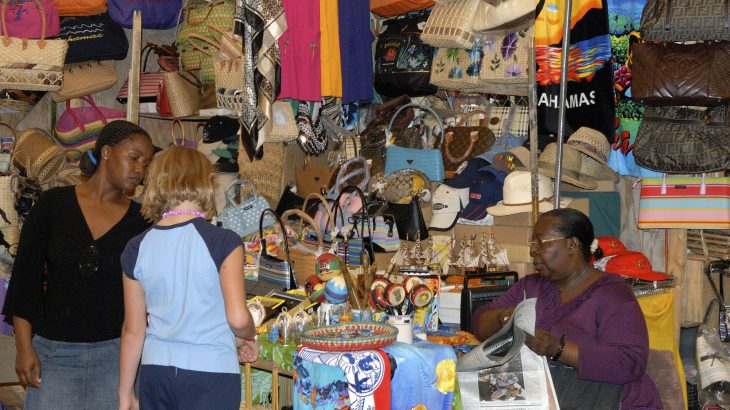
(183, 93)
(266, 173)
(450, 25)
(284, 126)
(38, 154)
(10, 230)
(505, 69)
(31, 64)
(85, 78)
(302, 256)
(457, 68)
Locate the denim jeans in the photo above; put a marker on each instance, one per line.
(76, 376)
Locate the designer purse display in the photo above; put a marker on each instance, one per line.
(427, 160)
(683, 140)
(681, 74)
(685, 20)
(241, 217)
(463, 142)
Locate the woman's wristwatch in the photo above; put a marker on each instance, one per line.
(559, 350)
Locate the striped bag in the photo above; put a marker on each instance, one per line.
(681, 202)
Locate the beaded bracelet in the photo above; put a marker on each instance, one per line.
(559, 351)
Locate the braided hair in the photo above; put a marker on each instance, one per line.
(112, 134)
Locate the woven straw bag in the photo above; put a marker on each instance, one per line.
(505, 66)
(11, 230)
(27, 64)
(450, 25)
(265, 174)
(183, 93)
(284, 126)
(85, 78)
(38, 154)
(302, 256)
(457, 68)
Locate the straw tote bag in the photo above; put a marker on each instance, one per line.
(505, 70)
(302, 256)
(182, 90)
(450, 25)
(85, 78)
(26, 64)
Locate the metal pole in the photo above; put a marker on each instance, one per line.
(562, 98)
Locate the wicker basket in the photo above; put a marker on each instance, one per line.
(350, 337)
(450, 25)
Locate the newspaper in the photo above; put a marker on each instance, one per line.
(503, 372)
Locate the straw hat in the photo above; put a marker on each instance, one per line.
(595, 149)
(572, 172)
(517, 195)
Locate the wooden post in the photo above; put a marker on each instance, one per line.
(676, 257)
(134, 67)
(249, 395)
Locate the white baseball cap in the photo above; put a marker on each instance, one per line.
(446, 205)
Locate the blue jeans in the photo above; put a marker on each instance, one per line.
(170, 388)
(76, 376)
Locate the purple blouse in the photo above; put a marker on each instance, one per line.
(605, 322)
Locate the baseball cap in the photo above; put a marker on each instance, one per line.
(507, 161)
(502, 143)
(467, 172)
(485, 191)
(446, 206)
(611, 245)
(635, 265)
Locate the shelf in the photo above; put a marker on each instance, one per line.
(191, 118)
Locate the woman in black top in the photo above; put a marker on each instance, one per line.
(65, 296)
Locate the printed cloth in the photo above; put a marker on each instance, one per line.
(367, 373)
(319, 386)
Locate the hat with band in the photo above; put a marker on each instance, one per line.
(517, 195)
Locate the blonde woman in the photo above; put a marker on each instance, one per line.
(184, 297)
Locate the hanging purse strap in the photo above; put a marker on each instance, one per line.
(285, 241)
(89, 100)
(389, 133)
(182, 131)
(303, 219)
(342, 178)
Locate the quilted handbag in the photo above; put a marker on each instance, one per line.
(685, 20)
(23, 19)
(390, 8)
(463, 142)
(274, 269)
(148, 81)
(683, 140)
(687, 203)
(427, 160)
(80, 7)
(156, 14)
(218, 14)
(241, 217)
(681, 74)
(78, 127)
(402, 59)
(86, 78)
(35, 65)
(93, 38)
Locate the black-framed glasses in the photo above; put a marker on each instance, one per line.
(538, 243)
(89, 261)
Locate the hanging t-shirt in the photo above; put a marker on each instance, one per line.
(329, 27)
(589, 98)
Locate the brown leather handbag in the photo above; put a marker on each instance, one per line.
(681, 74)
(463, 142)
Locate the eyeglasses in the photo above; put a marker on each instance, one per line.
(538, 243)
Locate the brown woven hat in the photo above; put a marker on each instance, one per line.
(572, 166)
(593, 144)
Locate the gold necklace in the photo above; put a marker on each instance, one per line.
(576, 280)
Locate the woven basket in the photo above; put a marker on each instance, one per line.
(349, 337)
(283, 124)
(183, 93)
(450, 25)
(35, 152)
(265, 174)
(10, 231)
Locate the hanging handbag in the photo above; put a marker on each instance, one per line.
(149, 81)
(93, 38)
(182, 90)
(274, 269)
(402, 59)
(372, 138)
(302, 256)
(356, 244)
(400, 186)
(505, 69)
(313, 178)
(685, 20)
(501, 15)
(450, 25)
(289, 200)
(463, 142)
(389, 8)
(683, 140)
(86, 78)
(197, 18)
(457, 68)
(156, 14)
(31, 64)
(80, 7)
(426, 160)
(681, 74)
(78, 127)
(686, 203)
(409, 220)
(241, 217)
(23, 19)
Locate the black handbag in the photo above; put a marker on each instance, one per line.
(271, 268)
(402, 60)
(685, 20)
(93, 38)
(409, 220)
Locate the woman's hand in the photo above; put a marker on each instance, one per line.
(248, 350)
(28, 367)
(543, 343)
(128, 402)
